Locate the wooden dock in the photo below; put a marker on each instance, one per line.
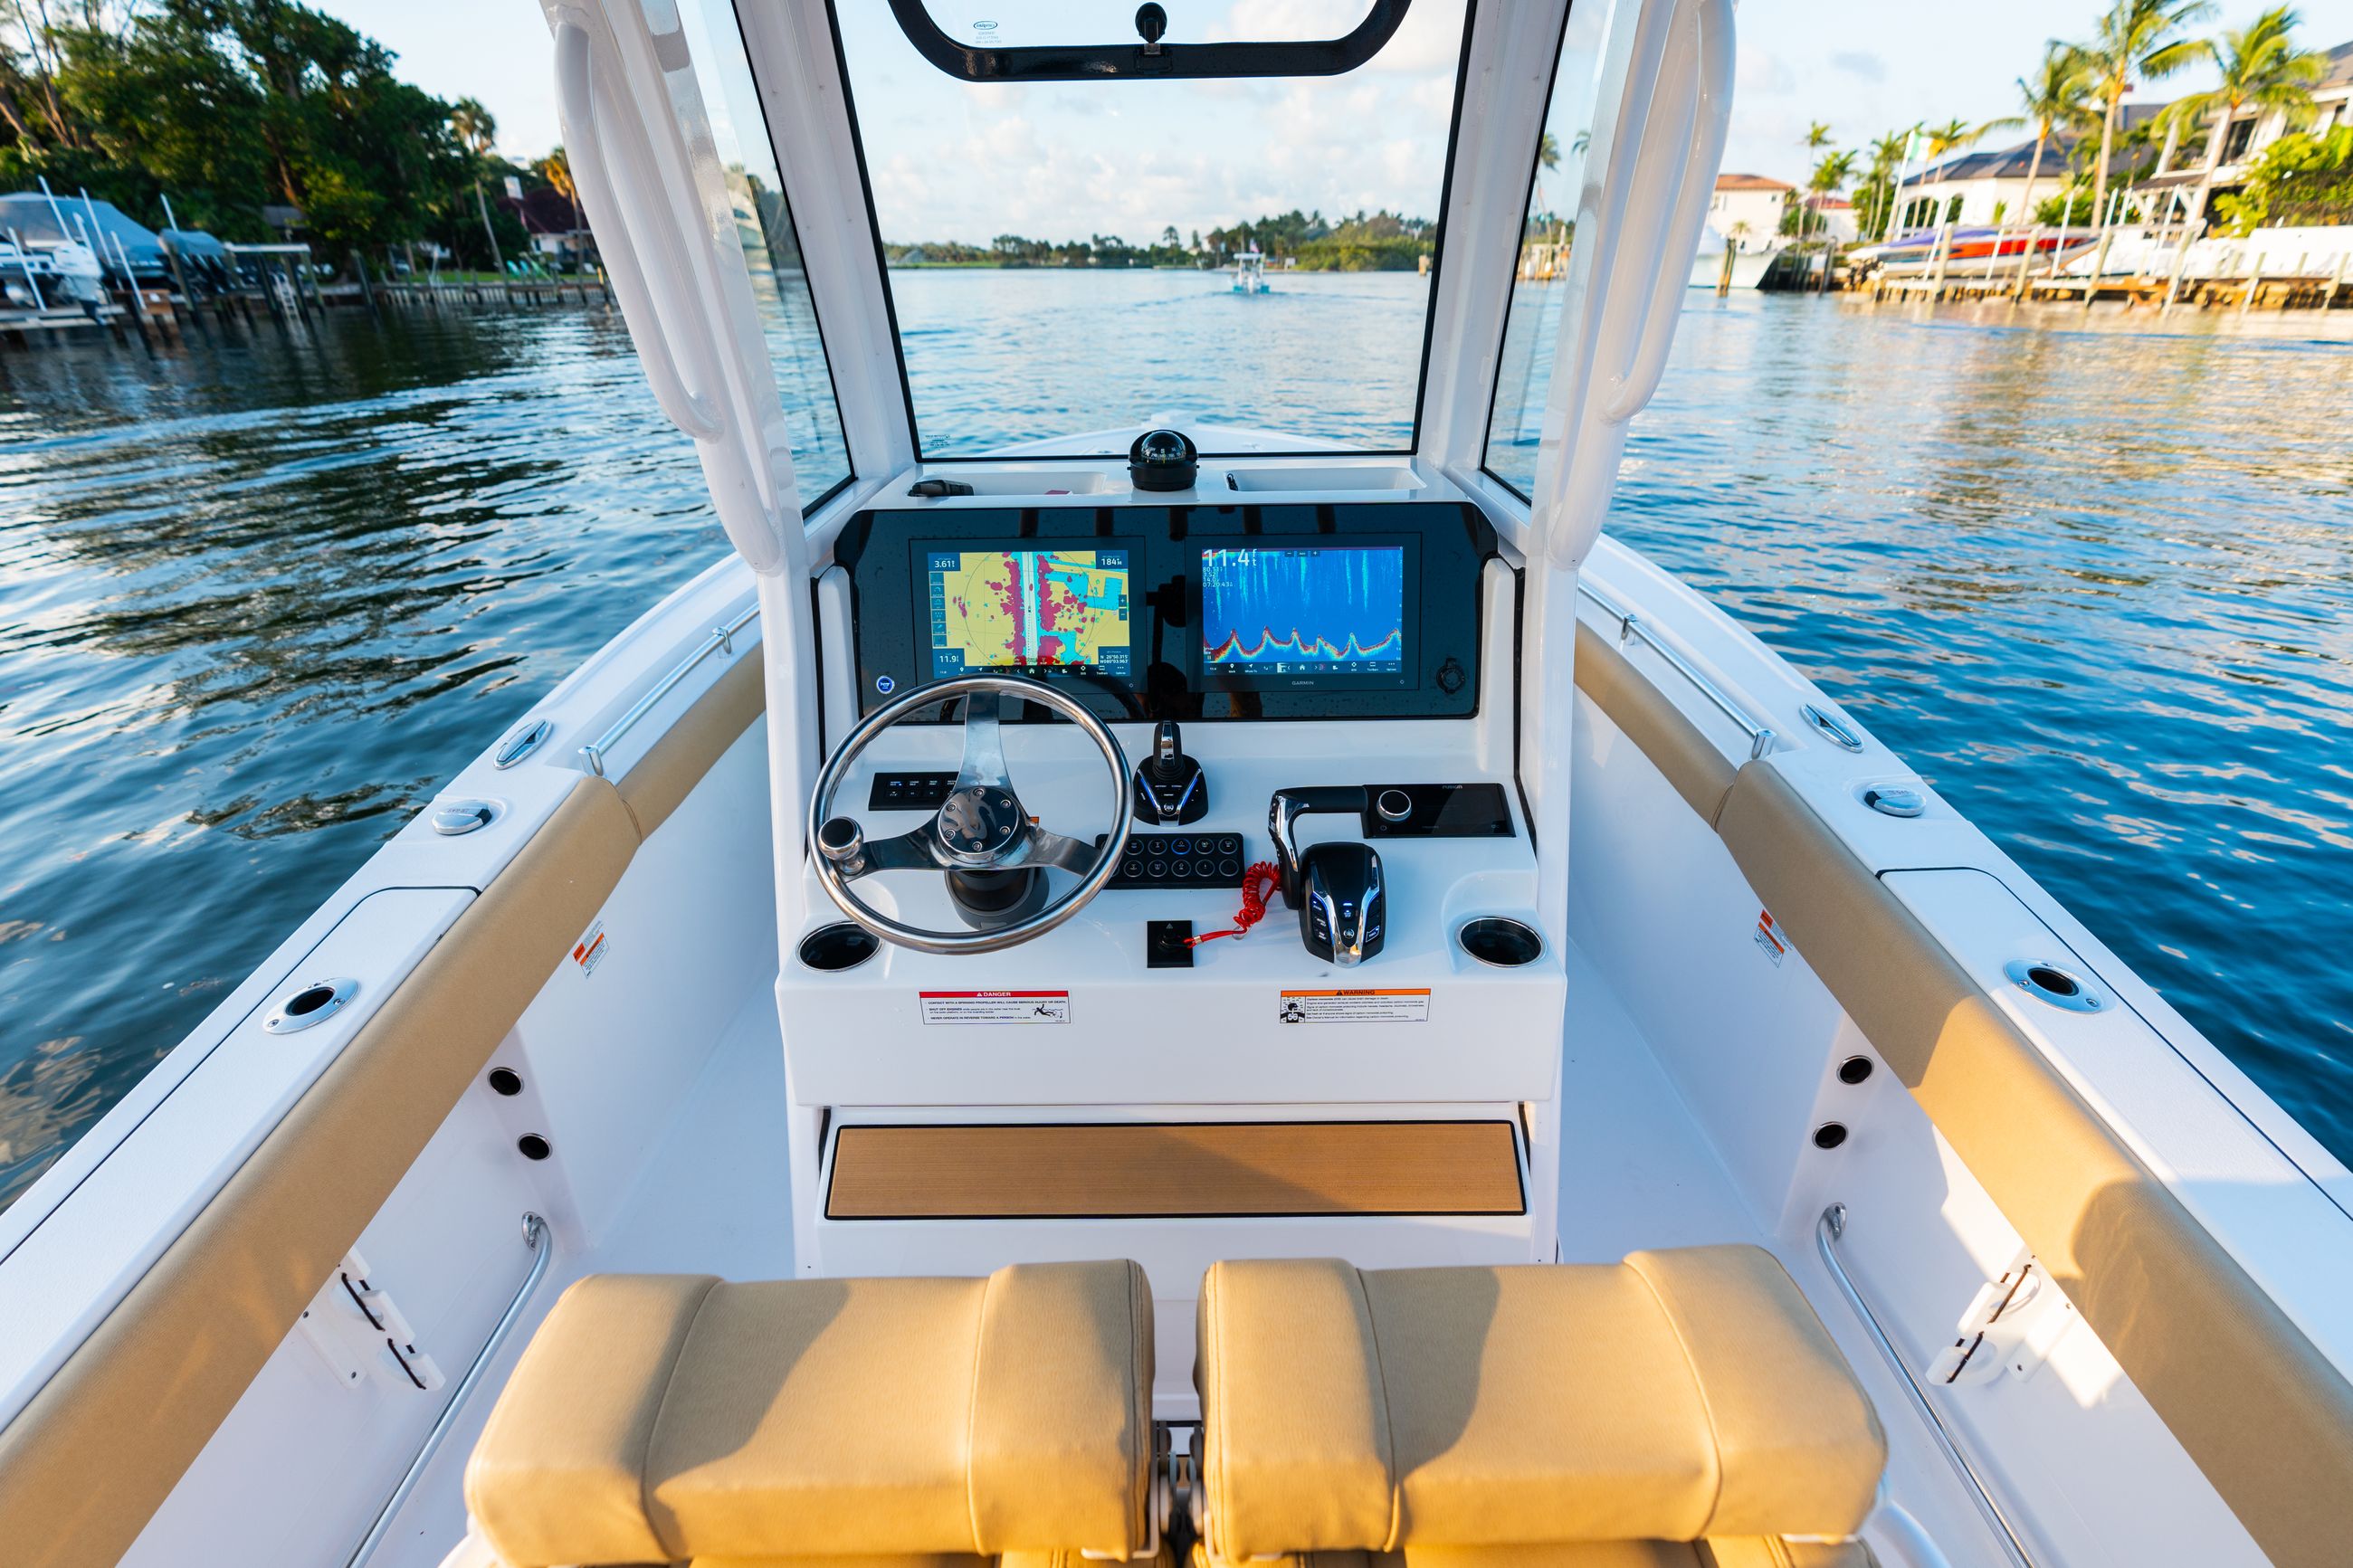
(157, 315)
(2303, 285)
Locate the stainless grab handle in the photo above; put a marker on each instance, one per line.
(535, 1236)
(1827, 1231)
(720, 640)
(1760, 738)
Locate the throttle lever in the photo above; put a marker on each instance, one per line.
(1286, 807)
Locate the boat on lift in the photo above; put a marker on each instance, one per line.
(1972, 252)
(1206, 994)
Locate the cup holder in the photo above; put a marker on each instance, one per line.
(1500, 942)
(838, 947)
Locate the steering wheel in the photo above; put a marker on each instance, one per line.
(980, 828)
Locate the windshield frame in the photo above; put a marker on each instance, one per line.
(881, 261)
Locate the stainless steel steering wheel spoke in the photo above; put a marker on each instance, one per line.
(1041, 848)
(984, 743)
(911, 851)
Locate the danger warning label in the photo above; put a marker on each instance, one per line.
(996, 1006)
(1355, 1006)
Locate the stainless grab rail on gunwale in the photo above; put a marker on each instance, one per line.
(536, 1237)
(1826, 1231)
(720, 640)
(1760, 736)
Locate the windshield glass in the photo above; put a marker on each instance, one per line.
(1069, 257)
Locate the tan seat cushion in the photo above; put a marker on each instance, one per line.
(656, 1418)
(1747, 1551)
(1678, 1395)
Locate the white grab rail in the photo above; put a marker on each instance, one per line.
(1638, 222)
(576, 75)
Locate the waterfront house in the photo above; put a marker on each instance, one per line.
(2252, 131)
(1984, 188)
(1831, 215)
(1749, 205)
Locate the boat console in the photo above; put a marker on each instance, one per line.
(1158, 839)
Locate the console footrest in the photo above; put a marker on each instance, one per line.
(1173, 1169)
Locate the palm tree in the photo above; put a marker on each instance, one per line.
(1829, 176)
(1816, 136)
(2262, 69)
(477, 131)
(2135, 37)
(1887, 156)
(1547, 160)
(2057, 93)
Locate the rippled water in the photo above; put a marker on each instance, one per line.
(257, 598)
(2096, 584)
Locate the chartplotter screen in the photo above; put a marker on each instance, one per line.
(1055, 611)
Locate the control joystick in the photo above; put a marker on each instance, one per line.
(1169, 785)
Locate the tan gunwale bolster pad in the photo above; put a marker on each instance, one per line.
(1689, 759)
(90, 1457)
(1129, 1168)
(659, 1417)
(2263, 1413)
(1676, 1395)
(692, 745)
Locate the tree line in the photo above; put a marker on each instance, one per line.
(1369, 242)
(231, 107)
(2072, 101)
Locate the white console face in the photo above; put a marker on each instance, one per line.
(1076, 1027)
(1077, 1016)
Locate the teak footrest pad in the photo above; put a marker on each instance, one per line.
(1125, 1170)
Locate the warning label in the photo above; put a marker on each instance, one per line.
(1355, 1006)
(1769, 938)
(996, 1007)
(590, 951)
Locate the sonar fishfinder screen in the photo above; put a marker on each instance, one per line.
(1332, 610)
(1042, 611)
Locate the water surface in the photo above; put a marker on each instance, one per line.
(258, 596)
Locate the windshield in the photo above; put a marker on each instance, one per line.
(1248, 260)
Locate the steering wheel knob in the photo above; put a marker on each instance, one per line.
(843, 842)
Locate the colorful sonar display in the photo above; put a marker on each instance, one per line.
(1304, 610)
(1047, 611)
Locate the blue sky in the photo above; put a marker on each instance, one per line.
(952, 161)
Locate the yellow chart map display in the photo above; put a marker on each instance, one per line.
(1029, 609)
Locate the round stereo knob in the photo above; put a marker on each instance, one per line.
(1393, 806)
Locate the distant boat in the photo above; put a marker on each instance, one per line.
(1974, 252)
(1249, 273)
(1749, 264)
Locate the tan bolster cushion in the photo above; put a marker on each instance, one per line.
(1677, 1395)
(656, 1418)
